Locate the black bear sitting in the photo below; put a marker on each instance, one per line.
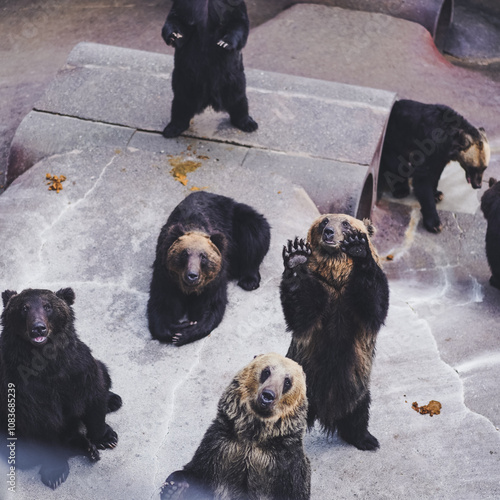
(56, 382)
(490, 205)
(207, 240)
(421, 140)
(208, 36)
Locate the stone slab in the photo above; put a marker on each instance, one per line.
(123, 88)
(98, 235)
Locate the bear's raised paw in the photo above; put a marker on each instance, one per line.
(355, 244)
(296, 253)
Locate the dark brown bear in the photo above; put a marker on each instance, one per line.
(207, 240)
(421, 140)
(335, 298)
(490, 205)
(253, 449)
(208, 36)
(57, 385)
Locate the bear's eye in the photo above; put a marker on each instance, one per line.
(266, 373)
(323, 223)
(287, 385)
(345, 224)
(25, 308)
(47, 307)
(203, 258)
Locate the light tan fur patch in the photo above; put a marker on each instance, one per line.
(195, 243)
(478, 154)
(328, 261)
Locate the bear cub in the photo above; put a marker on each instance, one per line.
(59, 386)
(335, 298)
(253, 449)
(421, 139)
(207, 240)
(208, 36)
(490, 205)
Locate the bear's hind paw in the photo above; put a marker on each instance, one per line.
(173, 490)
(296, 253)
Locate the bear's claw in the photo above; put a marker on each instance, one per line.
(173, 490)
(296, 253)
(355, 244)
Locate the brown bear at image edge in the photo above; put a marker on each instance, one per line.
(58, 384)
(253, 448)
(335, 298)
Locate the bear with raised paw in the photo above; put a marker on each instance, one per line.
(335, 298)
(208, 36)
(59, 387)
(254, 448)
(207, 240)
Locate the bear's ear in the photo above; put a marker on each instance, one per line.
(174, 233)
(492, 181)
(219, 240)
(66, 294)
(370, 228)
(7, 295)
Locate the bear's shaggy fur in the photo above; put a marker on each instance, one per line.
(335, 298)
(208, 36)
(253, 449)
(207, 240)
(421, 139)
(490, 205)
(58, 384)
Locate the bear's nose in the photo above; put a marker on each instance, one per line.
(267, 398)
(39, 329)
(191, 277)
(328, 234)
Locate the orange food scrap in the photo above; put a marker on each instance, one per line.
(390, 257)
(433, 408)
(181, 167)
(55, 182)
(196, 188)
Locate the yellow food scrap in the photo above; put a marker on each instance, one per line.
(181, 167)
(196, 188)
(433, 408)
(55, 182)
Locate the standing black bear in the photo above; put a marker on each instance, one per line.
(58, 384)
(490, 205)
(253, 449)
(207, 240)
(335, 298)
(208, 36)
(421, 140)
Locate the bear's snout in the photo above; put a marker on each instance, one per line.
(328, 234)
(266, 399)
(191, 277)
(474, 177)
(39, 329)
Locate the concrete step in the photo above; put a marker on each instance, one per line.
(107, 95)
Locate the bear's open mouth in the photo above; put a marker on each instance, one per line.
(39, 340)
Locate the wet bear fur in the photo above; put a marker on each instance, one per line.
(335, 298)
(253, 448)
(208, 36)
(421, 139)
(58, 385)
(490, 205)
(207, 240)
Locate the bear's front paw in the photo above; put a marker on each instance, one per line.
(183, 336)
(226, 44)
(355, 244)
(433, 224)
(92, 453)
(174, 39)
(108, 440)
(296, 253)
